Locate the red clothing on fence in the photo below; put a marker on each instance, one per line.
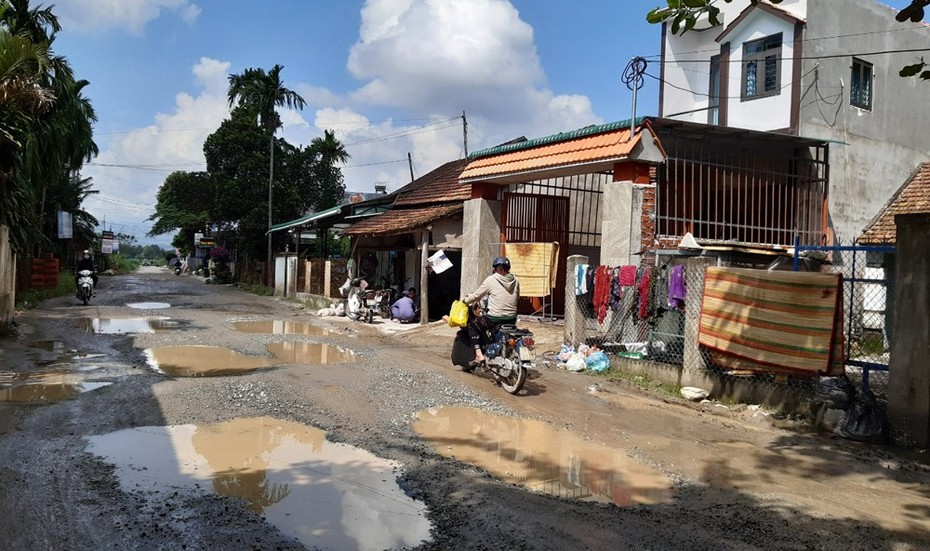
(601, 292)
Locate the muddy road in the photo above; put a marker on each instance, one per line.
(170, 414)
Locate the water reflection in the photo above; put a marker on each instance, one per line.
(213, 361)
(111, 326)
(43, 386)
(324, 494)
(280, 327)
(540, 457)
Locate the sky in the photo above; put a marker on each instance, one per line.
(389, 77)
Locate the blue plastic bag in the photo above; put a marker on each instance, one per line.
(597, 361)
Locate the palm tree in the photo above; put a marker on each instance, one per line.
(328, 152)
(265, 92)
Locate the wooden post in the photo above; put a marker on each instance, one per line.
(424, 276)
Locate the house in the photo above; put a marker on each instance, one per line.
(913, 197)
(425, 217)
(817, 69)
(625, 192)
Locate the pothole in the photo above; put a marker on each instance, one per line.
(280, 327)
(43, 386)
(112, 326)
(307, 353)
(148, 305)
(541, 457)
(325, 494)
(213, 361)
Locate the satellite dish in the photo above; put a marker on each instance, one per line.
(356, 198)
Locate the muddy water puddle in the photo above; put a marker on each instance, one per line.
(115, 326)
(214, 361)
(327, 495)
(148, 305)
(542, 458)
(280, 327)
(43, 386)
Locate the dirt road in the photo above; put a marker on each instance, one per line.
(108, 440)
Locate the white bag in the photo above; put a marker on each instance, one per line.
(575, 363)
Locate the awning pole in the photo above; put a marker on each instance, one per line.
(424, 288)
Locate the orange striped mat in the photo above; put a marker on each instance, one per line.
(786, 321)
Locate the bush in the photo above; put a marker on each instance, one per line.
(26, 300)
(122, 265)
(256, 289)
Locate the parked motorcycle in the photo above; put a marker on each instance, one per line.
(508, 353)
(85, 286)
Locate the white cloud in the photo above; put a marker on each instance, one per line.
(440, 57)
(98, 15)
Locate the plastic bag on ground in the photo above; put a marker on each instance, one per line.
(597, 361)
(864, 421)
(837, 392)
(575, 362)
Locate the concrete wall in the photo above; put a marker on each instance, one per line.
(909, 369)
(481, 226)
(621, 224)
(885, 143)
(7, 277)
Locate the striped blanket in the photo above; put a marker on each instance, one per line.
(783, 321)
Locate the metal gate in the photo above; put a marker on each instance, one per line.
(529, 218)
(868, 286)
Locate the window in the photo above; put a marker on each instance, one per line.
(860, 90)
(761, 67)
(713, 91)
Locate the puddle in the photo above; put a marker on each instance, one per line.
(48, 346)
(327, 495)
(214, 361)
(112, 326)
(43, 386)
(542, 458)
(148, 305)
(202, 361)
(280, 327)
(309, 353)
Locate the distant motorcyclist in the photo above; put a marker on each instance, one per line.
(86, 263)
(503, 291)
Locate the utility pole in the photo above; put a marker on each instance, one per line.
(465, 132)
(410, 163)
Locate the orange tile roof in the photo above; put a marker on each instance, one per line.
(402, 220)
(911, 198)
(614, 144)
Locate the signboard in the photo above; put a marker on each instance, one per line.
(207, 242)
(65, 228)
(107, 235)
(439, 262)
(197, 237)
(106, 246)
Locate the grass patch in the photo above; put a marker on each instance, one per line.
(26, 300)
(639, 381)
(123, 265)
(257, 289)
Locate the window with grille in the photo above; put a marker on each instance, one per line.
(860, 89)
(762, 67)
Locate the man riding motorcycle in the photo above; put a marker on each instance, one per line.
(503, 291)
(86, 263)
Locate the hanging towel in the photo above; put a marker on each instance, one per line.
(581, 279)
(627, 276)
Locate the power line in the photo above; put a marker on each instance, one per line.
(683, 89)
(409, 132)
(811, 57)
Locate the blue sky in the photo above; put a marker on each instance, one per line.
(388, 76)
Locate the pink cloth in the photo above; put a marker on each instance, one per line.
(627, 276)
(601, 292)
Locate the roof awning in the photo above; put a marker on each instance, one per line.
(588, 150)
(398, 221)
(306, 219)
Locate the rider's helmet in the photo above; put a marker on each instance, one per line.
(502, 261)
(86, 253)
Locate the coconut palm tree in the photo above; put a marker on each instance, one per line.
(328, 152)
(265, 92)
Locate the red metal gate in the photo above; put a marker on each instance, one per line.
(528, 218)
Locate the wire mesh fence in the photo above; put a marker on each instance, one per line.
(651, 314)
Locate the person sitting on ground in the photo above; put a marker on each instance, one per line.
(503, 291)
(412, 293)
(403, 309)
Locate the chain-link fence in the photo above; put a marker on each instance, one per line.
(650, 315)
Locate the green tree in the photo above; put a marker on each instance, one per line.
(265, 92)
(328, 152)
(684, 14)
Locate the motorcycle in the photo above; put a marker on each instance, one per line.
(177, 269)
(85, 286)
(363, 303)
(508, 353)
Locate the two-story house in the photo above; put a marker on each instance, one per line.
(815, 69)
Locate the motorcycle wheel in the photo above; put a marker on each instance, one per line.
(517, 378)
(85, 298)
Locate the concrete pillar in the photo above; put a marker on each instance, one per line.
(574, 317)
(621, 224)
(909, 370)
(694, 368)
(481, 230)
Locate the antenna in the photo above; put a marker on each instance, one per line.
(465, 131)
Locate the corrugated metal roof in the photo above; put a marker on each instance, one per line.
(402, 220)
(609, 142)
(911, 198)
(307, 218)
